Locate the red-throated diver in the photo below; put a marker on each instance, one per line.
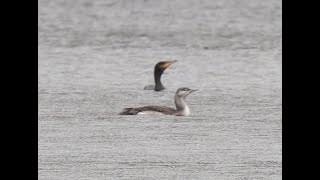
(158, 70)
(179, 100)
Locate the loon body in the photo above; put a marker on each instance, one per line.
(158, 70)
(179, 99)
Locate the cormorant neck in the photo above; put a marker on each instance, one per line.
(157, 80)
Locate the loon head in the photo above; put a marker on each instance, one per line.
(179, 100)
(184, 92)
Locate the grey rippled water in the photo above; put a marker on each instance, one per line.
(95, 57)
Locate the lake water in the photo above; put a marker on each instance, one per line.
(95, 57)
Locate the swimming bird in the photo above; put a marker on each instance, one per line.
(158, 70)
(179, 99)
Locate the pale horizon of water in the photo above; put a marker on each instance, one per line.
(95, 57)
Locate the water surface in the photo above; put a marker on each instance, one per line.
(95, 57)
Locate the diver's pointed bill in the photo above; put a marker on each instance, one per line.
(193, 90)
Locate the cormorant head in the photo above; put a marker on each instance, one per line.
(158, 70)
(184, 92)
(161, 66)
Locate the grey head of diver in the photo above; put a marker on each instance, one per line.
(158, 71)
(182, 108)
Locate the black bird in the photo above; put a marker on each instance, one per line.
(179, 100)
(158, 70)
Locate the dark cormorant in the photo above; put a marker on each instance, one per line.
(158, 70)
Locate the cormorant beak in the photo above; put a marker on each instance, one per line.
(168, 63)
